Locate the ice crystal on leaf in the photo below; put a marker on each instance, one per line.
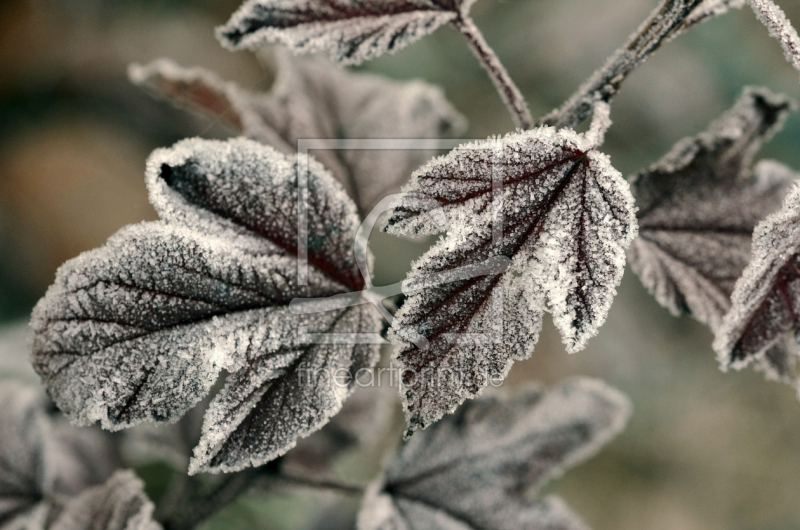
(474, 469)
(138, 330)
(779, 27)
(765, 300)
(311, 99)
(699, 204)
(349, 31)
(544, 199)
(119, 504)
(42, 458)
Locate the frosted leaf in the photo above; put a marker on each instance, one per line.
(699, 204)
(119, 504)
(349, 31)
(566, 216)
(474, 469)
(361, 421)
(764, 304)
(779, 27)
(311, 99)
(138, 330)
(42, 459)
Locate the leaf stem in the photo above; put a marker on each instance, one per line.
(221, 494)
(505, 86)
(307, 482)
(665, 22)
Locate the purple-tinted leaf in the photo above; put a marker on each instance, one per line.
(119, 504)
(765, 300)
(563, 218)
(474, 469)
(138, 330)
(313, 100)
(699, 204)
(350, 31)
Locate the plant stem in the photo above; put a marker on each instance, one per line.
(222, 494)
(505, 86)
(306, 482)
(666, 21)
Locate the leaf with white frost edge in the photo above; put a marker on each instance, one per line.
(312, 99)
(764, 305)
(119, 504)
(42, 459)
(349, 31)
(567, 217)
(138, 330)
(699, 204)
(474, 469)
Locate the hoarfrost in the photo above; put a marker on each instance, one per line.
(699, 204)
(764, 302)
(119, 504)
(138, 330)
(311, 99)
(779, 27)
(475, 468)
(349, 31)
(546, 200)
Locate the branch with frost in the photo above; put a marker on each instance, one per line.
(779, 27)
(667, 21)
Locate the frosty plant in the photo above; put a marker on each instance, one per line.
(259, 267)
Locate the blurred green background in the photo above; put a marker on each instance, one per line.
(704, 450)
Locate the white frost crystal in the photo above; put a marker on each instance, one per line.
(779, 27)
(475, 469)
(545, 200)
(138, 330)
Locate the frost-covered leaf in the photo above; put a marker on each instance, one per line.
(474, 469)
(765, 302)
(311, 99)
(564, 219)
(699, 204)
(42, 459)
(361, 421)
(138, 330)
(119, 504)
(349, 31)
(779, 27)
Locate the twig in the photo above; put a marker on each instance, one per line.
(505, 86)
(664, 23)
(222, 494)
(307, 482)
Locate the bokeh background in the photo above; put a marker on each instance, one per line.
(704, 450)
